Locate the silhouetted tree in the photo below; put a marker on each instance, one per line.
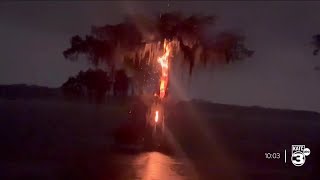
(121, 83)
(72, 88)
(94, 83)
(98, 82)
(138, 40)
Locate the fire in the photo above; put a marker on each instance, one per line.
(156, 118)
(164, 62)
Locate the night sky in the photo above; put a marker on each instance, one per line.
(280, 74)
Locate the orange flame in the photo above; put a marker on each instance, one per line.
(164, 62)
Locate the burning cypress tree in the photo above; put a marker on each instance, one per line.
(142, 43)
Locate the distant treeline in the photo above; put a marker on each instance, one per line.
(28, 91)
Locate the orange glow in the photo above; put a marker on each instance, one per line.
(156, 118)
(164, 62)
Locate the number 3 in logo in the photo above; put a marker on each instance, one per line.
(298, 158)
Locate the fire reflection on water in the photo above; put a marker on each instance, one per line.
(157, 166)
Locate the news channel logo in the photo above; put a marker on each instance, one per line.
(299, 154)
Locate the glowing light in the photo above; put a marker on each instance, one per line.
(164, 62)
(156, 117)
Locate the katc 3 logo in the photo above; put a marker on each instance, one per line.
(299, 154)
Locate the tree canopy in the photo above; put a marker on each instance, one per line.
(94, 83)
(138, 41)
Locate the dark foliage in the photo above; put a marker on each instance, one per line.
(93, 83)
(72, 88)
(316, 43)
(121, 83)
